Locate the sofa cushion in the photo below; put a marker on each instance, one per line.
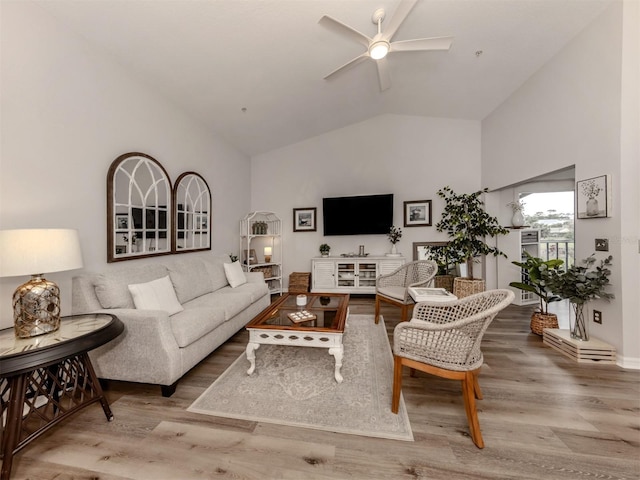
(235, 275)
(195, 322)
(254, 290)
(156, 295)
(215, 266)
(232, 300)
(112, 288)
(190, 278)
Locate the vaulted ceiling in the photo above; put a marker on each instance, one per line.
(252, 70)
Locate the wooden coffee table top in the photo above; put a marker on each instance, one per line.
(330, 310)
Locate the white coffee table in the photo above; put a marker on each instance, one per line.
(274, 327)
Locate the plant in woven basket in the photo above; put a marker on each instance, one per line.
(538, 272)
(468, 224)
(579, 284)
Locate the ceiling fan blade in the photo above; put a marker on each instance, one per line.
(349, 64)
(435, 43)
(383, 74)
(342, 29)
(392, 25)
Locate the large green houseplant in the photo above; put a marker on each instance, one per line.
(538, 273)
(467, 223)
(579, 284)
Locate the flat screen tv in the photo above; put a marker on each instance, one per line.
(358, 215)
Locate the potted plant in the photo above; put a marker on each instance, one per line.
(579, 284)
(324, 250)
(467, 224)
(538, 273)
(395, 234)
(439, 254)
(517, 207)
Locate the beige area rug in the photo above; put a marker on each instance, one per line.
(296, 386)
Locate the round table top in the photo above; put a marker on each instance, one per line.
(77, 334)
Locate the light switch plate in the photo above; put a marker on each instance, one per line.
(602, 244)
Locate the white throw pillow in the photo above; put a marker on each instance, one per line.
(156, 295)
(234, 273)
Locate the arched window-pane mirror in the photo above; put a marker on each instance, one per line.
(192, 213)
(138, 208)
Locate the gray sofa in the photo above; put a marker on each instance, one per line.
(157, 348)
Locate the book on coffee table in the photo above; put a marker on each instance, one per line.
(301, 316)
(431, 295)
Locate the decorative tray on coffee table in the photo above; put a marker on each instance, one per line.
(301, 316)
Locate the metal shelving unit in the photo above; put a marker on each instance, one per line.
(259, 232)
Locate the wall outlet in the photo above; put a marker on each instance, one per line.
(602, 244)
(597, 317)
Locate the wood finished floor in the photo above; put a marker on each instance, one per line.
(542, 417)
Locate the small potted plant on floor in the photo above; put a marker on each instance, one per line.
(324, 250)
(468, 224)
(538, 273)
(579, 284)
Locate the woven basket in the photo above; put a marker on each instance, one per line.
(444, 281)
(463, 287)
(268, 272)
(299, 282)
(540, 321)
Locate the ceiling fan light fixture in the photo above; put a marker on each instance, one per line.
(379, 49)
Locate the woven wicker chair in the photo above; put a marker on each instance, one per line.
(393, 287)
(444, 340)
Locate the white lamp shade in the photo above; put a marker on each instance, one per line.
(38, 251)
(267, 250)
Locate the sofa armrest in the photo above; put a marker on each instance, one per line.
(146, 351)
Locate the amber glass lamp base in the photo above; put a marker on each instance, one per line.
(36, 308)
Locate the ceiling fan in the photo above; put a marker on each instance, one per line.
(380, 45)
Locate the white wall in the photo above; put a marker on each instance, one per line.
(570, 112)
(411, 157)
(67, 112)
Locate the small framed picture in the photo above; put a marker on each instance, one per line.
(417, 213)
(252, 257)
(304, 219)
(122, 221)
(593, 197)
(120, 249)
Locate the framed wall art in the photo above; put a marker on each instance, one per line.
(253, 258)
(417, 213)
(593, 197)
(304, 219)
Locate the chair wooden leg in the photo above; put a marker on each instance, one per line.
(397, 383)
(468, 392)
(377, 314)
(403, 313)
(476, 386)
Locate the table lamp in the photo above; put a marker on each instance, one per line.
(267, 254)
(36, 304)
